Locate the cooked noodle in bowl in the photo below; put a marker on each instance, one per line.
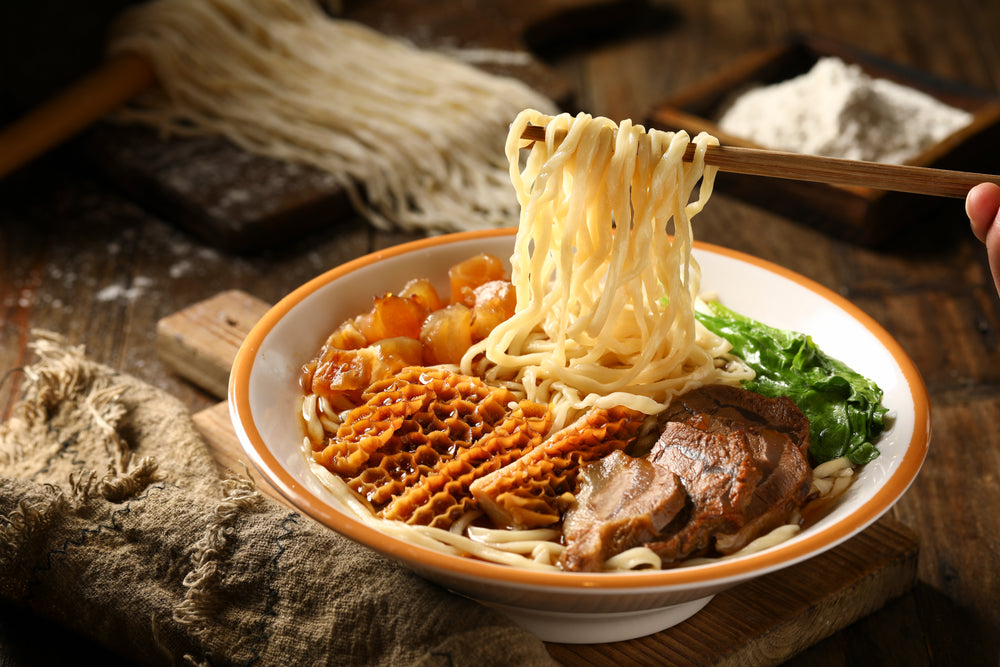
(603, 269)
(605, 290)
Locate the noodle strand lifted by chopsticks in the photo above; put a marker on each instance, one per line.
(606, 284)
(603, 269)
(421, 133)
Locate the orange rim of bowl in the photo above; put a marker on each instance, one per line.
(779, 556)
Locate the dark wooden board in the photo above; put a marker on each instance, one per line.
(243, 202)
(67, 243)
(761, 622)
(861, 215)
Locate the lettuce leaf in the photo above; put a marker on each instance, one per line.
(844, 408)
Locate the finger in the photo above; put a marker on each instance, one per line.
(992, 241)
(982, 205)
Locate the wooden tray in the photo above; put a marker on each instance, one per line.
(865, 216)
(762, 622)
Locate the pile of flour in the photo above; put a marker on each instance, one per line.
(837, 110)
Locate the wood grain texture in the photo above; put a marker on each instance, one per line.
(769, 620)
(216, 427)
(762, 622)
(79, 257)
(200, 342)
(860, 202)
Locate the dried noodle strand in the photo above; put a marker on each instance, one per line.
(421, 131)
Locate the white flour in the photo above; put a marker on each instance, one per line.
(837, 110)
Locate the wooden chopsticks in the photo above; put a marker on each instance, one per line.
(835, 171)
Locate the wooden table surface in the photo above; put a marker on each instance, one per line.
(79, 258)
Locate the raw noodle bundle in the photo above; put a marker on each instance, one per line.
(605, 279)
(420, 131)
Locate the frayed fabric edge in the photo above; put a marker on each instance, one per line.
(209, 553)
(27, 517)
(61, 371)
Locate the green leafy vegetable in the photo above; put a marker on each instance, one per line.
(844, 408)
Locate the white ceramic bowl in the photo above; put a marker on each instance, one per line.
(562, 606)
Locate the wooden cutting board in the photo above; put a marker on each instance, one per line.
(761, 622)
(242, 202)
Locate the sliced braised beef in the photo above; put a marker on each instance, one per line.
(729, 466)
(742, 460)
(720, 408)
(621, 502)
(719, 477)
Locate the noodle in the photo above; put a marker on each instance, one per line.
(831, 479)
(508, 547)
(603, 271)
(606, 287)
(421, 131)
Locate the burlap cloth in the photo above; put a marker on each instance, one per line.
(113, 522)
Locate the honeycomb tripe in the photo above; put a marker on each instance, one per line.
(441, 497)
(406, 424)
(534, 490)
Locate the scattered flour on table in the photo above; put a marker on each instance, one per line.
(837, 110)
(117, 291)
(180, 268)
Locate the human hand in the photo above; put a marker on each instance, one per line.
(982, 205)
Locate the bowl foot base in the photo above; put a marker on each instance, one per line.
(599, 628)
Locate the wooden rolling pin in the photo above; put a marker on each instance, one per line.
(117, 81)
